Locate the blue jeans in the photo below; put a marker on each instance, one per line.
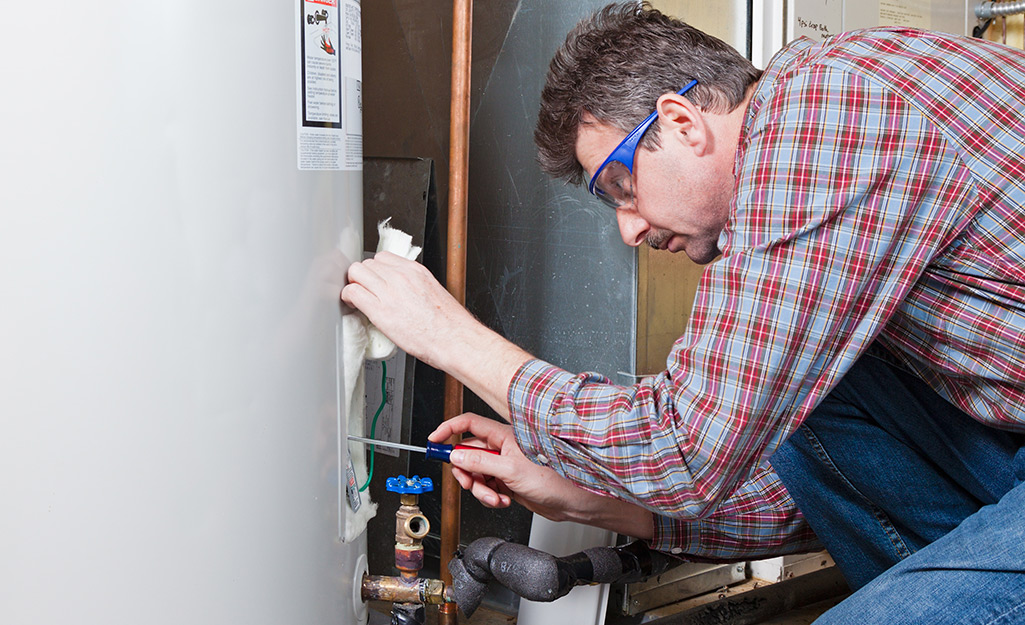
(921, 506)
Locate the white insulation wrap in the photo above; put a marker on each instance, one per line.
(170, 418)
(363, 341)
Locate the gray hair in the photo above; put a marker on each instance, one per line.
(616, 64)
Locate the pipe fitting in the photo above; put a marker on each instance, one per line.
(410, 528)
(410, 524)
(409, 560)
(408, 593)
(405, 590)
(539, 576)
(989, 10)
(416, 526)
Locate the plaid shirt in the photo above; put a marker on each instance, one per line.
(880, 186)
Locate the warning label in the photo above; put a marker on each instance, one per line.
(329, 89)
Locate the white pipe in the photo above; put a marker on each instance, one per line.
(989, 10)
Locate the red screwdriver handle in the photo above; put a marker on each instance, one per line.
(441, 451)
(497, 452)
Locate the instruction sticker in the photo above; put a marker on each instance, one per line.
(914, 13)
(352, 488)
(329, 85)
(384, 414)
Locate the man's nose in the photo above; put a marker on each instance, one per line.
(632, 227)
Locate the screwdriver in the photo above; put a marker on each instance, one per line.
(434, 451)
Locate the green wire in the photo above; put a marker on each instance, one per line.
(373, 425)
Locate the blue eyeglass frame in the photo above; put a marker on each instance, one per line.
(626, 151)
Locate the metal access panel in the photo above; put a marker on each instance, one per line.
(682, 582)
(178, 207)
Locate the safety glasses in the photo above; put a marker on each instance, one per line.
(613, 183)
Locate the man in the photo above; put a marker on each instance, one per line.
(864, 328)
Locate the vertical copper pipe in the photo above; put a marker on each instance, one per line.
(458, 176)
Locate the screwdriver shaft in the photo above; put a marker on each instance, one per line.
(371, 441)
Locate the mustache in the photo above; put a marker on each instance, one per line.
(657, 238)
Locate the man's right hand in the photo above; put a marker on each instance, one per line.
(498, 480)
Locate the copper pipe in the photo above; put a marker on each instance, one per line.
(458, 185)
(404, 590)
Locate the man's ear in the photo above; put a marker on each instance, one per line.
(679, 118)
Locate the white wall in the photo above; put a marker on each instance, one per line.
(820, 18)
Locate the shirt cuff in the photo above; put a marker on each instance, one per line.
(532, 397)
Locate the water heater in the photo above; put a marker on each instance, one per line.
(181, 196)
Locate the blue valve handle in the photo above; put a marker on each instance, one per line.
(415, 485)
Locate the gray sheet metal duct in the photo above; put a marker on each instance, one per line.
(546, 266)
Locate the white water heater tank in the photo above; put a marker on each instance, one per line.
(180, 189)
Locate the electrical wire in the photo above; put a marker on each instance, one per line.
(979, 31)
(373, 425)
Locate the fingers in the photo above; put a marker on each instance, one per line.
(485, 489)
(393, 260)
(481, 427)
(465, 479)
(389, 277)
(374, 281)
(489, 497)
(362, 286)
(375, 274)
(364, 274)
(356, 295)
(385, 267)
(504, 468)
(490, 435)
(387, 261)
(505, 496)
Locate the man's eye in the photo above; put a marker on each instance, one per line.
(624, 187)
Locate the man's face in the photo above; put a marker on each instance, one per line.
(680, 203)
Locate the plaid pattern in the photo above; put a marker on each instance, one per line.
(880, 196)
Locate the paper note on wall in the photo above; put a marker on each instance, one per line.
(914, 13)
(819, 19)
